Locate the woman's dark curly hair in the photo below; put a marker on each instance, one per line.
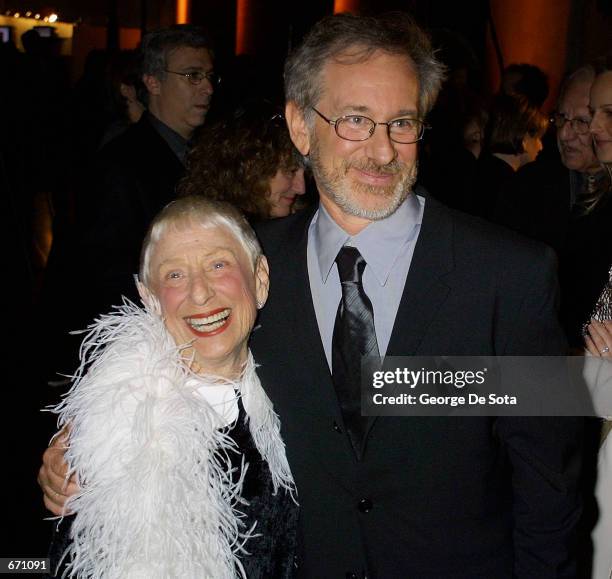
(234, 158)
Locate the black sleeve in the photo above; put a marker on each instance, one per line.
(545, 452)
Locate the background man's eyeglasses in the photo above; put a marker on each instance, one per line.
(360, 128)
(579, 126)
(197, 77)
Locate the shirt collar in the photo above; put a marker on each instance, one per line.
(176, 142)
(380, 243)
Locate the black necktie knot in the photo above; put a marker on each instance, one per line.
(350, 265)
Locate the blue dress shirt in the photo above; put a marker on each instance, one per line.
(386, 245)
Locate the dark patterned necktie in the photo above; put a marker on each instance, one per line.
(354, 337)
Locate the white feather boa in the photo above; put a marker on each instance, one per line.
(152, 458)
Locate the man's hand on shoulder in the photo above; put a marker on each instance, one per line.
(52, 475)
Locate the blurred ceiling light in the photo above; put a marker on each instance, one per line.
(37, 16)
(53, 18)
(28, 14)
(16, 15)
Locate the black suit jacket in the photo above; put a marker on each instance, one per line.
(537, 202)
(450, 497)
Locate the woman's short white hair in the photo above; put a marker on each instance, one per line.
(201, 212)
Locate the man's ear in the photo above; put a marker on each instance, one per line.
(152, 83)
(262, 281)
(298, 130)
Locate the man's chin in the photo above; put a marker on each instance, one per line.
(574, 162)
(199, 116)
(372, 205)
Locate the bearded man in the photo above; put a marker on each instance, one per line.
(398, 496)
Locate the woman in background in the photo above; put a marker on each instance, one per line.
(599, 331)
(249, 161)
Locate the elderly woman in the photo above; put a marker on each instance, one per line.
(599, 333)
(248, 160)
(175, 446)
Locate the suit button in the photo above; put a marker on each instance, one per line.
(365, 505)
(337, 428)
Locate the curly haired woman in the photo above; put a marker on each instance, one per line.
(249, 161)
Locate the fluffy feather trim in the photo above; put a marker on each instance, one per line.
(152, 458)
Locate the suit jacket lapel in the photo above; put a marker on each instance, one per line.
(426, 287)
(303, 316)
(302, 337)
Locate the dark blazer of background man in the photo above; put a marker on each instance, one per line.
(129, 181)
(428, 497)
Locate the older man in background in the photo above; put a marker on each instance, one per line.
(572, 119)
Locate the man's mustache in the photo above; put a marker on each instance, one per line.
(392, 168)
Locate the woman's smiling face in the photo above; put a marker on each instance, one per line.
(208, 292)
(601, 116)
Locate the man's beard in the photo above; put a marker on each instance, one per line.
(336, 185)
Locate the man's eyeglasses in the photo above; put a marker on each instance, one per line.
(197, 77)
(359, 128)
(579, 126)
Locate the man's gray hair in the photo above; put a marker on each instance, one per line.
(349, 39)
(585, 73)
(197, 211)
(158, 44)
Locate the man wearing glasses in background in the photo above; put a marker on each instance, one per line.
(572, 119)
(128, 182)
(380, 269)
(177, 71)
(587, 252)
(558, 200)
